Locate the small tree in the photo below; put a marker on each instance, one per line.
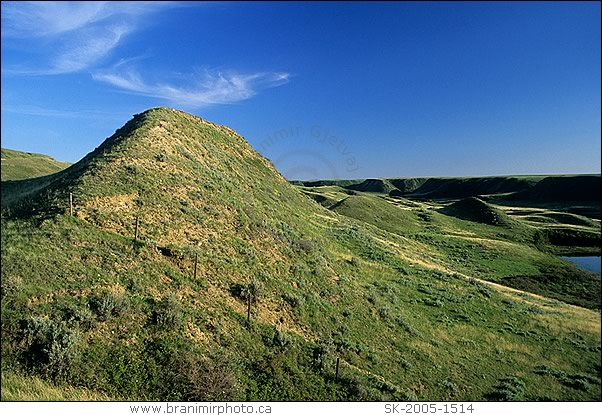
(209, 378)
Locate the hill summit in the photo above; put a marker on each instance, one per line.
(181, 178)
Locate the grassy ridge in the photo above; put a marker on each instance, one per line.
(397, 293)
(18, 165)
(533, 190)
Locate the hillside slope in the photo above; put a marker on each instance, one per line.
(191, 270)
(18, 165)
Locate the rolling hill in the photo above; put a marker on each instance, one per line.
(476, 210)
(18, 165)
(526, 189)
(188, 268)
(584, 188)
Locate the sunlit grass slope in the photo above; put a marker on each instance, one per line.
(20, 165)
(191, 270)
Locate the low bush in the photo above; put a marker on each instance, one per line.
(49, 347)
(509, 389)
(208, 378)
(107, 304)
(168, 312)
(292, 299)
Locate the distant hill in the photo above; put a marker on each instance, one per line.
(18, 165)
(580, 188)
(534, 189)
(373, 185)
(455, 188)
(476, 210)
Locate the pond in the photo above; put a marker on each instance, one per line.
(588, 263)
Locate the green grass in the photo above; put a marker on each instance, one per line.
(18, 165)
(418, 315)
(18, 387)
(375, 281)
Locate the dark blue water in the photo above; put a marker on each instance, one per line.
(588, 263)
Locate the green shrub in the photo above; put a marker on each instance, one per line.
(407, 396)
(577, 381)
(282, 340)
(405, 363)
(168, 312)
(401, 322)
(50, 347)
(306, 246)
(292, 299)
(449, 387)
(80, 316)
(509, 389)
(357, 388)
(131, 169)
(321, 353)
(383, 313)
(482, 288)
(371, 297)
(107, 304)
(244, 291)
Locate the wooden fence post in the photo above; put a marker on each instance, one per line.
(71, 203)
(248, 308)
(196, 259)
(136, 228)
(336, 373)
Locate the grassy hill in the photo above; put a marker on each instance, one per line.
(192, 270)
(18, 165)
(526, 189)
(476, 210)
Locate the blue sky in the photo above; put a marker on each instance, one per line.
(325, 90)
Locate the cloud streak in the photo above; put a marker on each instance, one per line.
(77, 34)
(39, 111)
(74, 37)
(30, 19)
(89, 50)
(208, 88)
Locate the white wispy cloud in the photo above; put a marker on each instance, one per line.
(76, 34)
(88, 50)
(72, 37)
(207, 88)
(36, 19)
(24, 19)
(39, 111)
